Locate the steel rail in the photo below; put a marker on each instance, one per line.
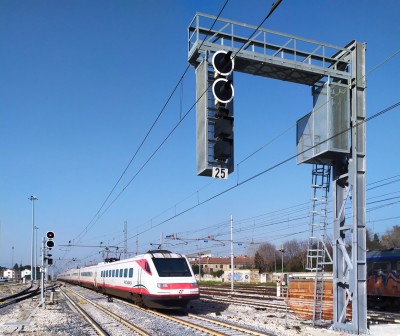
(115, 316)
(95, 325)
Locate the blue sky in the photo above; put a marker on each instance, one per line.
(81, 83)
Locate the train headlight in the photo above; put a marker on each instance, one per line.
(162, 285)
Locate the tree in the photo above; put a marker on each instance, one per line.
(268, 253)
(218, 273)
(195, 269)
(373, 244)
(259, 262)
(16, 266)
(295, 255)
(391, 239)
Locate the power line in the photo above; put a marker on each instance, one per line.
(145, 138)
(242, 181)
(277, 165)
(267, 170)
(98, 214)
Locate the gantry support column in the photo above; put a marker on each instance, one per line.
(350, 276)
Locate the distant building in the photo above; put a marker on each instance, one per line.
(12, 274)
(212, 264)
(26, 273)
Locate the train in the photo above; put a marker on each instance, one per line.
(383, 278)
(158, 279)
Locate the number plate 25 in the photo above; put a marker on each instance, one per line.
(220, 173)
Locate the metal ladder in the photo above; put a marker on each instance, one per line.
(317, 250)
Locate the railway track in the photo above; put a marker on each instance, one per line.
(380, 317)
(205, 324)
(253, 292)
(255, 303)
(26, 293)
(103, 321)
(266, 291)
(170, 324)
(257, 297)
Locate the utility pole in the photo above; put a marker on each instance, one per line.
(232, 271)
(199, 266)
(12, 257)
(36, 252)
(125, 240)
(283, 251)
(33, 199)
(137, 245)
(42, 271)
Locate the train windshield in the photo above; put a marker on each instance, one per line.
(172, 267)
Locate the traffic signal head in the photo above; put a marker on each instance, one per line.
(223, 62)
(223, 133)
(223, 90)
(214, 113)
(222, 87)
(49, 241)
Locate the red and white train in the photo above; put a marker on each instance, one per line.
(157, 279)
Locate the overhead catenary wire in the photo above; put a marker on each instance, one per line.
(266, 170)
(346, 130)
(148, 132)
(99, 214)
(272, 237)
(135, 175)
(277, 165)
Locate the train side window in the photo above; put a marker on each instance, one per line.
(130, 272)
(113, 273)
(147, 267)
(120, 273)
(125, 273)
(116, 273)
(381, 267)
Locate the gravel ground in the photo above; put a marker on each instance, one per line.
(58, 318)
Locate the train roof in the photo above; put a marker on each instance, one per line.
(164, 254)
(393, 253)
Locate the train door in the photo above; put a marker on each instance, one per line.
(139, 279)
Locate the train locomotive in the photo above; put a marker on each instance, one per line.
(383, 278)
(157, 279)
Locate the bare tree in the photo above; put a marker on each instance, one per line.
(267, 252)
(374, 243)
(295, 255)
(391, 239)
